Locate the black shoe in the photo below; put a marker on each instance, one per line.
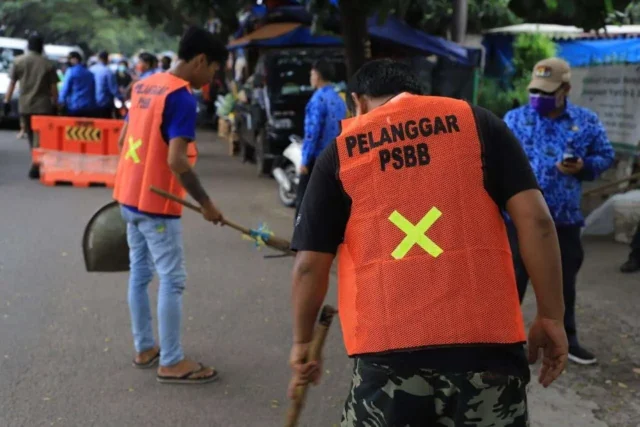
(34, 172)
(582, 356)
(631, 266)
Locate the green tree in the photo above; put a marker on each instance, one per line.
(433, 16)
(528, 49)
(84, 23)
(587, 14)
(173, 16)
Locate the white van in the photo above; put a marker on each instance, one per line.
(59, 53)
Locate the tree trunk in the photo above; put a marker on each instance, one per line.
(460, 8)
(353, 20)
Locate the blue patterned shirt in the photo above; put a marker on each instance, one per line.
(545, 140)
(322, 119)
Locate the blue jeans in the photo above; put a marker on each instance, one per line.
(156, 242)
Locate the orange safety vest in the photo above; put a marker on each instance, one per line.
(143, 160)
(425, 259)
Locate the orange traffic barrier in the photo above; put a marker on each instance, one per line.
(77, 151)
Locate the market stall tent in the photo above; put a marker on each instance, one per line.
(284, 34)
(390, 30)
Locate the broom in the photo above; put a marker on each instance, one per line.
(315, 351)
(271, 241)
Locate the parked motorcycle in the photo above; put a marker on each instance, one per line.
(122, 108)
(286, 171)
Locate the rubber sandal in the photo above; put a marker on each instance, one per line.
(189, 377)
(150, 364)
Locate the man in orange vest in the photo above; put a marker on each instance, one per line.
(158, 149)
(409, 196)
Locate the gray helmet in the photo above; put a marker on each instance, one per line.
(104, 243)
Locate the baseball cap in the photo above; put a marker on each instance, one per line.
(549, 74)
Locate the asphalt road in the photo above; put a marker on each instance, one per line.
(65, 344)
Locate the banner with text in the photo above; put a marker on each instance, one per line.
(613, 92)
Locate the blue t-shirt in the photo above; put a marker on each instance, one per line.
(178, 121)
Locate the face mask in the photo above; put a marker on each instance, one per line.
(543, 104)
(122, 69)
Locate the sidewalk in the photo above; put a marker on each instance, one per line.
(558, 406)
(608, 393)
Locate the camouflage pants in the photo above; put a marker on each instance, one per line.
(382, 396)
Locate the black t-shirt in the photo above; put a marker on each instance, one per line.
(123, 80)
(325, 210)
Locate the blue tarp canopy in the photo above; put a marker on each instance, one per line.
(284, 34)
(397, 31)
(580, 53)
(391, 30)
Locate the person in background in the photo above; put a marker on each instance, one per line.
(409, 197)
(165, 63)
(157, 147)
(322, 118)
(566, 145)
(22, 134)
(78, 95)
(240, 67)
(106, 86)
(213, 24)
(61, 71)
(154, 64)
(633, 262)
(123, 79)
(146, 62)
(38, 87)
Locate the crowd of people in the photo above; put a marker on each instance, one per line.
(75, 90)
(82, 90)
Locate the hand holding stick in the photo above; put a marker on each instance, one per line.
(271, 241)
(315, 352)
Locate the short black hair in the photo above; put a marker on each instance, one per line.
(75, 55)
(125, 62)
(325, 68)
(383, 77)
(103, 56)
(35, 43)
(166, 60)
(197, 41)
(146, 57)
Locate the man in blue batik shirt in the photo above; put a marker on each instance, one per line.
(566, 145)
(322, 119)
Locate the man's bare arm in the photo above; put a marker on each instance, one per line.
(10, 90)
(310, 283)
(180, 166)
(540, 251)
(123, 133)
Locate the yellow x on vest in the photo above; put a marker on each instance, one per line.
(132, 152)
(415, 234)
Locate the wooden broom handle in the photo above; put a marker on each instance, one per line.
(315, 352)
(196, 208)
